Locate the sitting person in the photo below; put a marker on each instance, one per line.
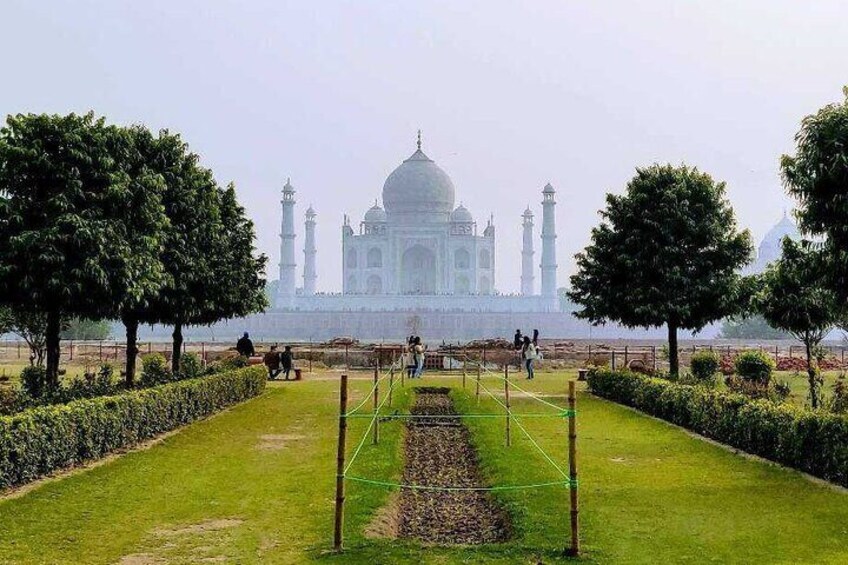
(272, 362)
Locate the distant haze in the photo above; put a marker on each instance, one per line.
(509, 96)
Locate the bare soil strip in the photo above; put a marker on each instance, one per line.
(439, 453)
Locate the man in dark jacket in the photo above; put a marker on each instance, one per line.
(272, 362)
(245, 347)
(286, 361)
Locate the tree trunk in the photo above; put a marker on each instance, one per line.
(673, 361)
(131, 324)
(176, 354)
(54, 326)
(811, 374)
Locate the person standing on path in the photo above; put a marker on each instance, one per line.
(286, 360)
(244, 346)
(528, 353)
(418, 350)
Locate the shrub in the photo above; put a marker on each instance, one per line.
(39, 441)
(228, 364)
(190, 366)
(704, 366)
(813, 442)
(754, 366)
(838, 403)
(33, 381)
(154, 370)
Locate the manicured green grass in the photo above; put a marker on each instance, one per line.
(650, 493)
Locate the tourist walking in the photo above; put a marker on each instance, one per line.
(409, 358)
(272, 363)
(518, 340)
(528, 353)
(286, 360)
(244, 346)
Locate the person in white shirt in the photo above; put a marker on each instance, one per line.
(528, 353)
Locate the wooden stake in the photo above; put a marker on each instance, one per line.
(463, 374)
(479, 369)
(508, 413)
(376, 402)
(574, 550)
(391, 383)
(340, 465)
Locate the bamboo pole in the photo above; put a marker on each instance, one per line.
(478, 382)
(391, 383)
(376, 438)
(340, 464)
(464, 374)
(508, 413)
(574, 549)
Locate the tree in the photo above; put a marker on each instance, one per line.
(817, 175)
(82, 330)
(667, 252)
(30, 327)
(64, 249)
(750, 327)
(796, 299)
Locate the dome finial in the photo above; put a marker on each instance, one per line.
(419, 140)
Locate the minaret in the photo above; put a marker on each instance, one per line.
(286, 291)
(527, 279)
(309, 251)
(549, 266)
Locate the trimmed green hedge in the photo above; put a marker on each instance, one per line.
(813, 442)
(42, 440)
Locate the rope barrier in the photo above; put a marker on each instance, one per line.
(370, 426)
(371, 391)
(463, 415)
(568, 482)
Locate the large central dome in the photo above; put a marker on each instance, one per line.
(418, 186)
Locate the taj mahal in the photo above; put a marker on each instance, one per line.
(420, 251)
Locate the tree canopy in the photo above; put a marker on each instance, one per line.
(817, 175)
(667, 252)
(794, 298)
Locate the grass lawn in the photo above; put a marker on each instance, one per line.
(255, 484)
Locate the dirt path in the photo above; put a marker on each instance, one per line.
(439, 453)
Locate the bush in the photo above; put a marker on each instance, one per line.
(154, 370)
(42, 440)
(34, 381)
(704, 366)
(228, 364)
(838, 403)
(813, 442)
(754, 366)
(190, 366)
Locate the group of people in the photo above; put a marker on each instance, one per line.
(413, 356)
(529, 348)
(275, 361)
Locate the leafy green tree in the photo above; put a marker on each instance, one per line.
(667, 252)
(750, 327)
(817, 175)
(796, 299)
(66, 199)
(32, 328)
(81, 330)
(5, 320)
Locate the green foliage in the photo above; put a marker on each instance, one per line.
(32, 328)
(750, 327)
(190, 367)
(667, 252)
(42, 440)
(813, 442)
(82, 330)
(155, 370)
(705, 365)
(816, 175)
(839, 399)
(754, 366)
(33, 381)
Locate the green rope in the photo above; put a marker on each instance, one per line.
(454, 416)
(530, 394)
(370, 426)
(569, 483)
(371, 391)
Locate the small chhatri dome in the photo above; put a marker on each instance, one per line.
(288, 186)
(528, 213)
(375, 214)
(418, 186)
(310, 211)
(548, 189)
(461, 215)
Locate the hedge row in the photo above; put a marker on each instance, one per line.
(39, 441)
(813, 442)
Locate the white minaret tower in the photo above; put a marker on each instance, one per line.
(309, 251)
(288, 265)
(527, 279)
(549, 266)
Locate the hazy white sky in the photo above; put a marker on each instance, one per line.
(510, 95)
